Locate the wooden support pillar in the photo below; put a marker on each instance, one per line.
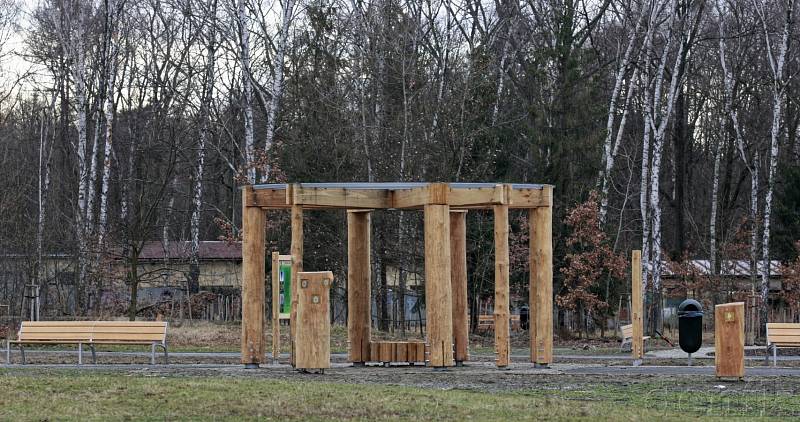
(297, 268)
(458, 277)
(502, 315)
(438, 293)
(253, 241)
(276, 304)
(541, 283)
(637, 342)
(358, 286)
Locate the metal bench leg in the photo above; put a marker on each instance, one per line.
(94, 354)
(8, 352)
(153, 354)
(774, 355)
(22, 352)
(80, 353)
(166, 355)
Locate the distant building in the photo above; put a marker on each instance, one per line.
(163, 271)
(168, 265)
(735, 272)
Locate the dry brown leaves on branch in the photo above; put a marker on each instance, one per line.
(590, 261)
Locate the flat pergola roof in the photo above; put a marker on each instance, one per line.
(397, 195)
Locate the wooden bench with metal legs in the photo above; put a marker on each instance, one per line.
(781, 334)
(91, 333)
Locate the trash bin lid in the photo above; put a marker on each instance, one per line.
(690, 305)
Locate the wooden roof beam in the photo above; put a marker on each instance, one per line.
(413, 198)
(338, 197)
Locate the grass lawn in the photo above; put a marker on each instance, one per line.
(64, 394)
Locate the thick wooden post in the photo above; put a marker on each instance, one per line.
(438, 295)
(637, 342)
(297, 268)
(253, 240)
(541, 282)
(276, 304)
(502, 315)
(729, 340)
(458, 277)
(358, 286)
(313, 320)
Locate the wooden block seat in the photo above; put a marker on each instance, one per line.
(627, 336)
(91, 333)
(782, 334)
(388, 352)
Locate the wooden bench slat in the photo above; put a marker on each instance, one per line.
(771, 325)
(795, 339)
(43, 329)
(127, 336)
(133, 330)
(784, 332)
(130, 324)
(56, 336)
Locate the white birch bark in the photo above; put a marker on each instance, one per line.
(247, 89)
(501, 76)
(646, 137)
(686, 26)
(358, 45)
(111, 73)
(277, 82)
(197, 202)
(43, 185)
(91, 193)
(712, 224)
(752, 164)
(777, 60)
(611, 142)
(70, 28)
(441, 72)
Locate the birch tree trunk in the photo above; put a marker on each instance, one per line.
(72, 39)
(111, 73)
(752, 164)
(205, 123)
(277, 83)
(611, 142)
(777, 61)
(44, 184)
(247, 89)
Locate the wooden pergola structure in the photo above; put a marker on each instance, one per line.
(445, 206)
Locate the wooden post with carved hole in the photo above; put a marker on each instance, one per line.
(458, 274)
(253, 243)
(541, 280)
(313, 319)
(358, 286)
(637, 342)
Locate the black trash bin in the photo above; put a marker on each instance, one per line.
(690, 325)
(524, 317)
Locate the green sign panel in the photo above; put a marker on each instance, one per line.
(285, 273)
